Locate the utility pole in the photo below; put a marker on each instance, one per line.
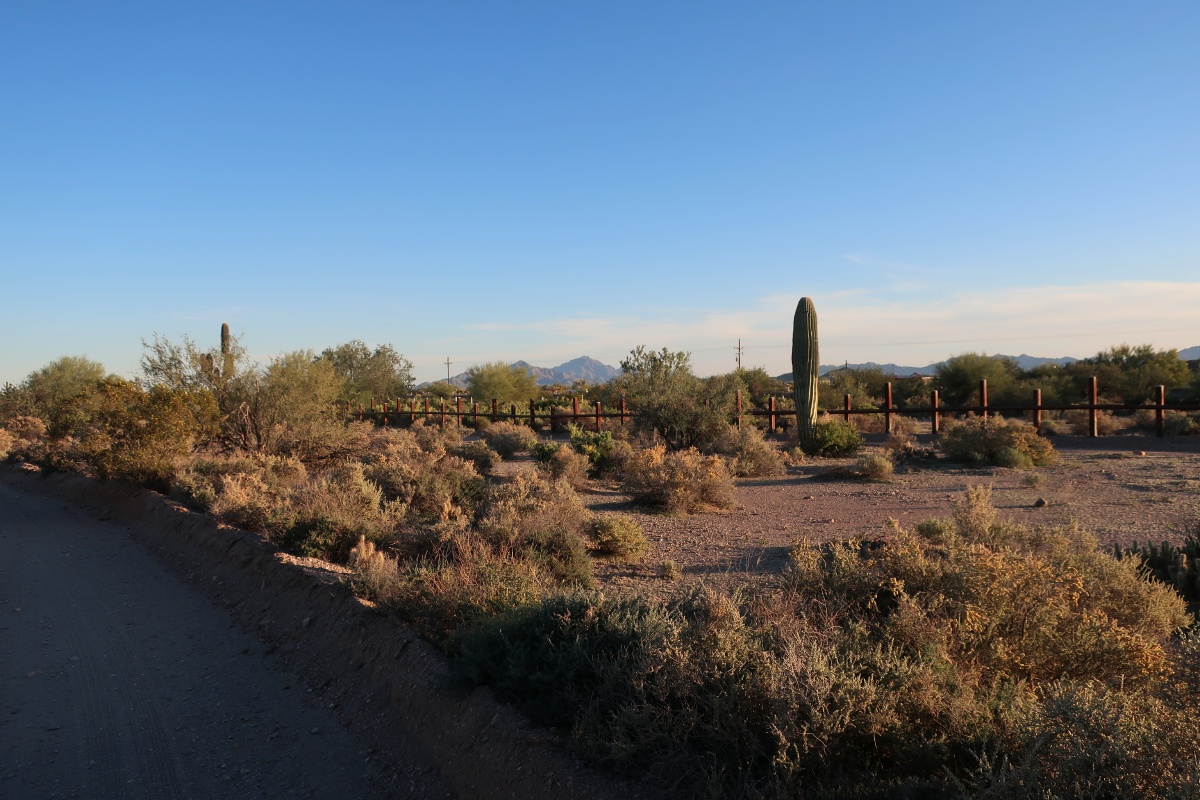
(448, 362)
(739, 354)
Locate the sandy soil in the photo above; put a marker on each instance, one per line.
(1121, 489)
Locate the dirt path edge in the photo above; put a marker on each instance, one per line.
(383, 680)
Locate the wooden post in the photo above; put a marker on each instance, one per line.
(514, 413)
(495, 410)
(443, 412)
(936, 423)
(552, 428)
(458, 409)
(1160, 414)
(846, 408)
(771, 417)
(1093, 417)
(1037, 409)
(983, 396)
(475, 411)
(622, 410)
(372, 405)
(599, 418)
(887, 407)
(532, 415)
(575, 411)
(427, 409)
(739, 409)
(412, 410)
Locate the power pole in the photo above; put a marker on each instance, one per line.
(448, 362)
(739, 354)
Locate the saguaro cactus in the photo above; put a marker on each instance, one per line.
(227, 356)
(806, 364)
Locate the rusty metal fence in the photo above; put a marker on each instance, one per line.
(407, 411)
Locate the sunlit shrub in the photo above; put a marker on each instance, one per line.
(990, 440)
(618, 536)
(680, 482)
(508, 438)
(749, 454)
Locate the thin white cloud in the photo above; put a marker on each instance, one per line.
(913, 328)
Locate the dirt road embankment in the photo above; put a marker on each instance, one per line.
(121, 681)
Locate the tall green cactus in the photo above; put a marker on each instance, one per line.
(806, 364)
(228, 358)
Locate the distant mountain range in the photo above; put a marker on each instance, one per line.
(583, 368)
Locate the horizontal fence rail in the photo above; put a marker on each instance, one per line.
(395, 413)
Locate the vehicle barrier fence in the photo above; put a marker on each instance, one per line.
(395, 413)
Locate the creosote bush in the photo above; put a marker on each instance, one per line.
(567, 465)
(876, 467)
(680, 482)
(996, 440)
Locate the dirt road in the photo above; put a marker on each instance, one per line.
(120, 681)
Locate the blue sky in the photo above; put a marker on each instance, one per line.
(539, 181)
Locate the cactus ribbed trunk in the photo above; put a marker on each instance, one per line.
(806, 363)
(227, 358)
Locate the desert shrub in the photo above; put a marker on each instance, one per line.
(567, 465)
(669, 571)
(606, 453)
(433, 437)
(479, 454)
(680, 482)
(543, 451)
(1079, 422)
(989, 440)
(433, 485)
(618, 536)
(463, 581)
(1181, 423)
(508, 438)
(750, 456)
(119, 430)
(7, 440)
(834, 438)
(333, 511)
(539, 520)
(877, 467)
(374, 576)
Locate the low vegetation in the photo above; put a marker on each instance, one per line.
(963, 657)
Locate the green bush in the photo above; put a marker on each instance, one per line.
(995, 440)
(876, 467)
(618, 536)
(835, 438)
(680, 482)
(606, 454)
(479, 454)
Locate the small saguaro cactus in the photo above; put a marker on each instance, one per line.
(806, 364)
(228, 359)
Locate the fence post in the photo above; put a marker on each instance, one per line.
(552, 428)
(1160, 415)
(599, 418)
(427, 409)
(936, 423)
(846, 409)
(887, 407)
(1093, 421)
(532, 415)
(739, 409)
(514, 413)
(475, 410)
(443, 413)
(1037, 409)
(458, 409)
(360, 412)
(412, 410)
(622, 410)
(983, 396)
(495, 409)
(771, 417)
(575, 411)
